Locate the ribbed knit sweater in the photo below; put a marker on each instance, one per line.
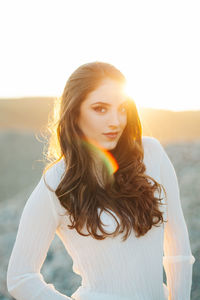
(110, 269)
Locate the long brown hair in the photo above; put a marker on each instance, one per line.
(129, 192)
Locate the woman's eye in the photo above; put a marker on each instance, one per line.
(100, 109)
(123, 109)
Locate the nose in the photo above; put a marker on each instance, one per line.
(114, 119)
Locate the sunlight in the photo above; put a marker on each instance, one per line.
(128, 89)
(146, 96)
(161, 73)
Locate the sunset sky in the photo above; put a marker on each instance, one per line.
(156, 44)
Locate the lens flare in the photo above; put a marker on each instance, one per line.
(105, 155)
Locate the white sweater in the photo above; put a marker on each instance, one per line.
(110, 269)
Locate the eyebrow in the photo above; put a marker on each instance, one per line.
(108, 104)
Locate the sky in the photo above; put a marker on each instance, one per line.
(155, 44)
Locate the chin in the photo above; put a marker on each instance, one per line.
(109, 146)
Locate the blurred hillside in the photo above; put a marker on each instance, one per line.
(30, 114)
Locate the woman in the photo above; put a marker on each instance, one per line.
(112, 197)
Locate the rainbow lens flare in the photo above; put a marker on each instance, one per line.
(105, 155)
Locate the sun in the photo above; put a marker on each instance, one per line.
(129, 90)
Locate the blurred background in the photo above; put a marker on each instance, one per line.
(156, 46)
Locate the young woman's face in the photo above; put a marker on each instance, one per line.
(103, 114)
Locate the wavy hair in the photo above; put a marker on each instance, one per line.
(129, 192)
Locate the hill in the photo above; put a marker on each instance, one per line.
(31, 114)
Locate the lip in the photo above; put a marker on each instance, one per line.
(111, 135)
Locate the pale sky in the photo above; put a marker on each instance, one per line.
(156, 45)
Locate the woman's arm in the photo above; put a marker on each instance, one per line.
(36, 231)
(178, 259)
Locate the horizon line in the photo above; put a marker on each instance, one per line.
(138, 106)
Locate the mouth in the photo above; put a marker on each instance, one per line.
(111, 135)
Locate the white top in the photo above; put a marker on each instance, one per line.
(110, 269)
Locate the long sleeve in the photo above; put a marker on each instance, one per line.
(178, 259)
(36, 231)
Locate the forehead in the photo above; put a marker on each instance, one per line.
(108, 91)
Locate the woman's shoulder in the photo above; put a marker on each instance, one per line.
(151, 142)
(54, 173)
(152, 147)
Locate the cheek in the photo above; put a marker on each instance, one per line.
(96, 126)
(90, 124)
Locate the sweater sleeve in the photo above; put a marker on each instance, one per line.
(178, 259)
(36, 231)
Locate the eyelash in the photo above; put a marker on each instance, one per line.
(98, 108)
